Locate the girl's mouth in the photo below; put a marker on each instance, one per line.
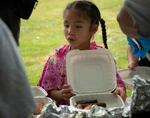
(70, 38)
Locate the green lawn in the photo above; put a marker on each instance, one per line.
(43, 32)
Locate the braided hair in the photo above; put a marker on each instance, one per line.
(92, 11)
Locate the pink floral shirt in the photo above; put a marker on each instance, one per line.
(54, 72)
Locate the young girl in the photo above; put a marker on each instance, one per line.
(81, 21)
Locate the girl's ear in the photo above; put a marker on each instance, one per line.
(94, 28)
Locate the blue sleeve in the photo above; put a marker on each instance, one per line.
(136, 51)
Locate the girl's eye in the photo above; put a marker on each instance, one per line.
(78, 26)
(66, 26)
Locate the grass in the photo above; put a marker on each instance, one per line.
(43, 33)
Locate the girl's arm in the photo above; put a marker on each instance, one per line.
(121, 89)
(50, 79)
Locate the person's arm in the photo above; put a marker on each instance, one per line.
(120, 89)
(51, 81)
(132, 60)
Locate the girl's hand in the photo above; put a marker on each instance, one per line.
(67, 92)
(120, 91)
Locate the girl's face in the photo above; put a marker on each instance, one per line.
(78, 29)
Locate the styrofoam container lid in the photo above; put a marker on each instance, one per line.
(91, 71)
(128, 74)
(38, 91)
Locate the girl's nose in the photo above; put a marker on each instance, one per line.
(70, 30)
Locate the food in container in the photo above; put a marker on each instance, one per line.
(88, 104)
(106, 100)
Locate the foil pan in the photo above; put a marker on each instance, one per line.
(140, 98)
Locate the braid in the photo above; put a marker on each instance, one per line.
(104, 33)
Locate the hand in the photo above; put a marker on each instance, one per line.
(67, 92)
(120, 91)
(132, 65)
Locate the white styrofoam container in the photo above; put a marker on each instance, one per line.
(44, 100)
(128, 74)
(38, 91)
(108, 98)
(92, 75)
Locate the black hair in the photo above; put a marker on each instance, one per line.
(92, 12)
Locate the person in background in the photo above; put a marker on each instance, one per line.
(16, 99)
(13, 11)
(134, 21)
(81, 21)
(9, 16)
